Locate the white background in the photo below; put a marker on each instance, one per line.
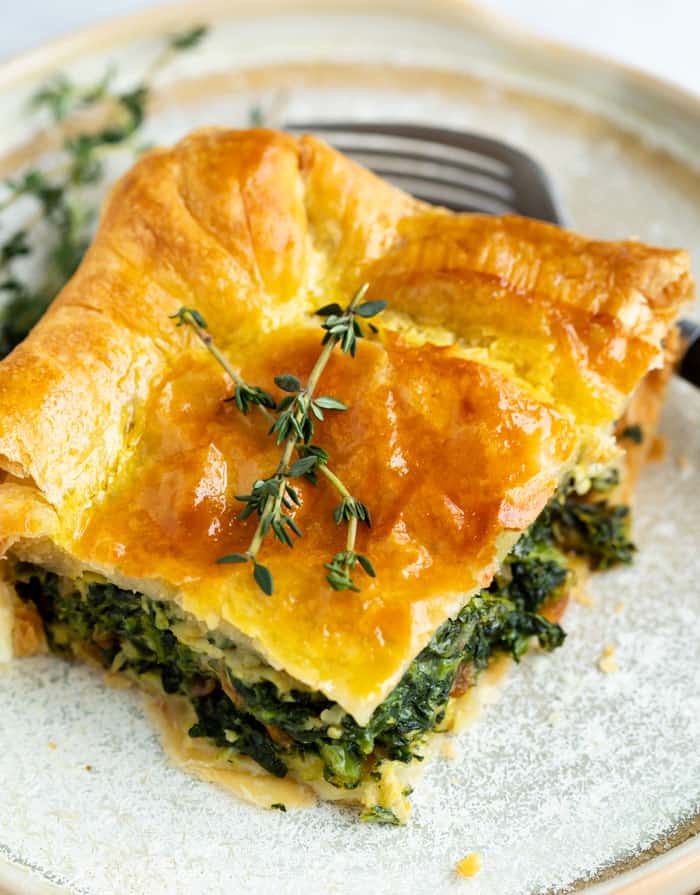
(662, 36)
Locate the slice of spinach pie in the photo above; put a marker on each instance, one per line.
(268, 347)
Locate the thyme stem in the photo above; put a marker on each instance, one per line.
(324, 469)
(194, 320)
(160, 62)
(205, 337)
(272, 509)
(352, 535)
(319, 367)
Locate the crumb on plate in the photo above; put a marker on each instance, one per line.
(470, 865)
(618, 608)
(52, 745)
(607, 662)
(684, 465)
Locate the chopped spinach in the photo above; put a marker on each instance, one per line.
(121, 625)
(379, 815)
(128, 631)
(633, 433)
(596, 530)
(118, 624)
(222, 722)
(605, 481)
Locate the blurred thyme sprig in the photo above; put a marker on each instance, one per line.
(58, 191)
(294, 420)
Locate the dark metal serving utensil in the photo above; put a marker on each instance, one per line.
(466, 172)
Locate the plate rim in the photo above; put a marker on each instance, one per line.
(677, 870)
(166, 16)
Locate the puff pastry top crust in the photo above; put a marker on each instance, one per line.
(507, 343)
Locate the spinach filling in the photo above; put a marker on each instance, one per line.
(129, 632)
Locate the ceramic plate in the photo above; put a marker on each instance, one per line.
(572, 775)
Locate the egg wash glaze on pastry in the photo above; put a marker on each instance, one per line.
(479, 432)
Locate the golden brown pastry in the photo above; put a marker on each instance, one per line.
(487, 398)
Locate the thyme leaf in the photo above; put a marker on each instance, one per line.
(263, 578)
(287, 383)
(186, 40)
(256, 116)
(61, 97)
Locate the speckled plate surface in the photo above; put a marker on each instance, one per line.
(572, 775)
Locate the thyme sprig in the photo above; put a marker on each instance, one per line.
(245, 396)
(63, 206)
(293, 423)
